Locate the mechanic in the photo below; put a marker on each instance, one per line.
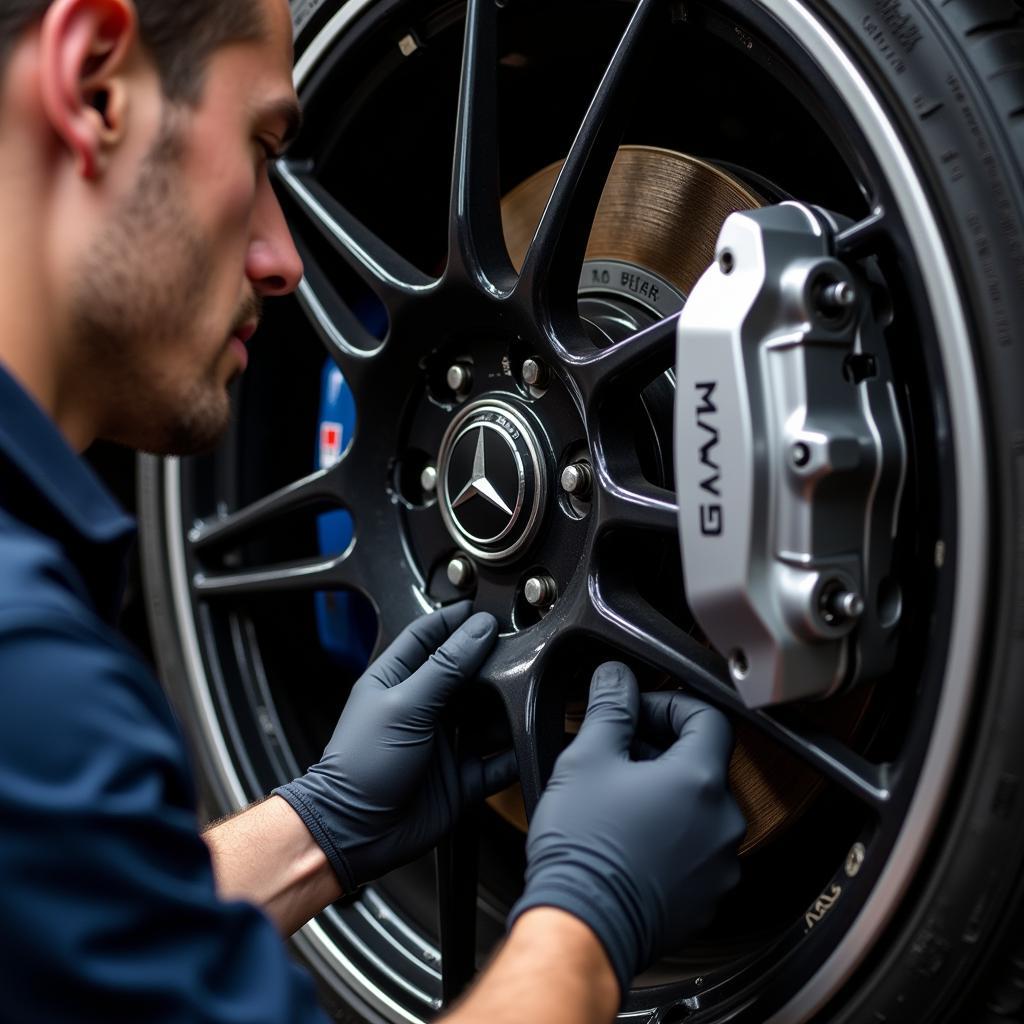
(140, 236)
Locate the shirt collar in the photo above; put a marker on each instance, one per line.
(48, 486)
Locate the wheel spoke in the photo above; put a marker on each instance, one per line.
(427, 531)
(457, 860)
(346, 340)
(304, 576)
(633, 362)
(641, 506)
(321, 488)
(670, 649)
(552, 266)
(537, 740)
(535, 706)
(391, 277)
(477, 243)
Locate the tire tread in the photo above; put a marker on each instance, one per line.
(1004, 988)
(992, 32)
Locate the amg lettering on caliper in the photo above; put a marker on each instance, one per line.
(710, 512)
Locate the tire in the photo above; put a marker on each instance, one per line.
(924, 923)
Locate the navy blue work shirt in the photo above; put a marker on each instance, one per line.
(108, 910)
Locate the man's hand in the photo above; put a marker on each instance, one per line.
(388, 786)
(638, 850)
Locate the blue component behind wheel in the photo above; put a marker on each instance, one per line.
(344, 632)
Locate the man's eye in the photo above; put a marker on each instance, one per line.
(270, 152)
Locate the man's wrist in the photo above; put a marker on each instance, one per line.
(266, 855)
(552, 970)
(296, 796)
(576, 945)
(581, 891)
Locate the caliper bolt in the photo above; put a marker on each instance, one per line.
(577, 480)
(459, 379)
(726, 261)
(540, 591)
(838, 605)
(800, 454)
(428, 479)
(835, 300)
(840, 295)
(535, 373)
(460, 572)
(849, 605)
(738, 665)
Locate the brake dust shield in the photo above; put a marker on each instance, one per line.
(662, 211)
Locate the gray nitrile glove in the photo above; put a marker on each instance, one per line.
(388, 787)
(640, 851)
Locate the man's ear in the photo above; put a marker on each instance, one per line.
(83, 48)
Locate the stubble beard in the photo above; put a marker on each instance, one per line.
(135, 298)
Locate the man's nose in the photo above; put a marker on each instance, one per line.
(273, 264)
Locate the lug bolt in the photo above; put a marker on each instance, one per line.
(535, 373)
(540, 591)
(577, 480)
(460, 572)
(459, 378)
(428, 480)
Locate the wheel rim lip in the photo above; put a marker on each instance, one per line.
(971, 472)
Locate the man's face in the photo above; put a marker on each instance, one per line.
(171, 291)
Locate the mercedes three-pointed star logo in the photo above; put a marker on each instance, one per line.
(492, 480)
(479, 485)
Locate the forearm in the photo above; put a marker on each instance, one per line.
(552, 970)
(265, 855)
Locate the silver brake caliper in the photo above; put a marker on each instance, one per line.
(790, 460)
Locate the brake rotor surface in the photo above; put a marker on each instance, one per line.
(662, 212)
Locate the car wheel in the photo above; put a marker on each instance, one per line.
(477, 393)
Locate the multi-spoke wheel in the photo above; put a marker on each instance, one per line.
(507, 329)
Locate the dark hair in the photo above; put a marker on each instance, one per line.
(179, 35)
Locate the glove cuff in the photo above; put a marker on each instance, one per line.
(292, 793)
(600, 916)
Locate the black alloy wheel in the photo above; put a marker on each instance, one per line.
(508, 333)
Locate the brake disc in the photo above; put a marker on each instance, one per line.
(661, 213)
(654, 236)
